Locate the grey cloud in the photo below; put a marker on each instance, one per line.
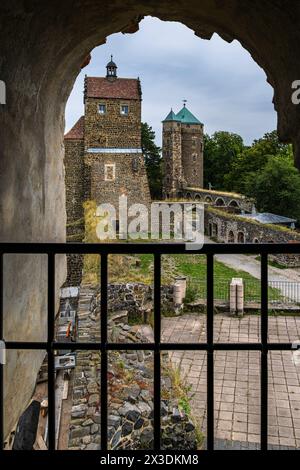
(224, 87)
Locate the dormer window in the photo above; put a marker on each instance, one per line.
(124, 110)
(102, 109)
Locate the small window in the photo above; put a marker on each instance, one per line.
(124, 110)
(109, 172)
(102, 109)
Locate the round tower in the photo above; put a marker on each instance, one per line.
(171, 147)
(191, 148)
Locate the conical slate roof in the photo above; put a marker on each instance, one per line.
(186, 117)
(171, 117)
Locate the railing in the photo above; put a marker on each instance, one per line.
(51, 249)
(279, 292)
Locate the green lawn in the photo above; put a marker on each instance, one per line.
(194, 268)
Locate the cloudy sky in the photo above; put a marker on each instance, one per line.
(223, 86)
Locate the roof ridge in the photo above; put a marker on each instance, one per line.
(76, 132)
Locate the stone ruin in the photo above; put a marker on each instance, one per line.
(130, 388)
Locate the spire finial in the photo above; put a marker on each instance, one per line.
(184, 102)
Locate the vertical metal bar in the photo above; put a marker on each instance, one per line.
(210, 351)
(1, 365)
(104, 391)
(157, 338)
(50, 352)
(264, 353)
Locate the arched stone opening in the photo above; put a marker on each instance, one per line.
(255, 240)
(241, 237)
(220, 202)
(208, 200)
(197, 197)
(188, 195)
(39, 66)
(233, 203)
(230, 237)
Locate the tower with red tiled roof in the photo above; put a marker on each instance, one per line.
(103, 151)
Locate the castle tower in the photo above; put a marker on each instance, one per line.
(103, 154)
(191, 148)
(112, 138)
(171, 147)
(182, 152)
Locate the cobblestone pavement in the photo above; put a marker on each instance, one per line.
(237, 378)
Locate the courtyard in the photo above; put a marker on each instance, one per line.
(237, 379)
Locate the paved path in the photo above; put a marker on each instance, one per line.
(237, 377)
(251, 265)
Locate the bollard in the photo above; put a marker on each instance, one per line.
(236, 299)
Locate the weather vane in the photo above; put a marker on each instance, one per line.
(184, 101)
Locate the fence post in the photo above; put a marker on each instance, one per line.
(236, 299)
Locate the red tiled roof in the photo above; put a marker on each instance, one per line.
(77, 130)
(101, 87)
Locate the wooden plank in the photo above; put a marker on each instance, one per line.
(41, 443)
(66, 390)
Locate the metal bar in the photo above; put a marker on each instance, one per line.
(157, 338)
(104, 391)
(162, 248)
(50, 351)
(1, 365)
(264, 353)
(210, 351)
(149, 346)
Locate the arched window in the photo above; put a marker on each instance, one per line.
(230, 237)
(241, 237)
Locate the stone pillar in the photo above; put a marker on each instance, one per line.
(236, 298)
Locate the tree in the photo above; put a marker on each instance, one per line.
(277, 187)
(251, 161)
(220, 151)
(153, 161)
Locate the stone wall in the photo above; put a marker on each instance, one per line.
(112, 129)
(192, 154)
(136, 299)
(219, 198)
(130, 179)
(171, 148)
(75, 193)
(227, 228)
(39, 83)
(130, 389)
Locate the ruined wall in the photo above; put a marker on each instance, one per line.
(130, 389)
(228, 228)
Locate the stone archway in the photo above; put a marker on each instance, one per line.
(241, 237)
(233, 203)
(220, 202)
(39, 66)
(230, 237)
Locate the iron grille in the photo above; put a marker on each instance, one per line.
(157, 250)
